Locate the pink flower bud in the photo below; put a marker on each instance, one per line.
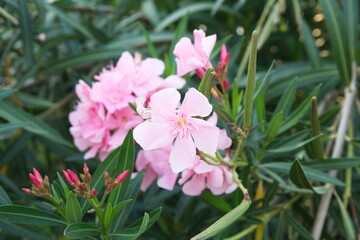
(28, 191)
(37, 174)
(121, 177)
(200, 72)
(67, 177)
(226, 85)
(35, 180)
(74, 178)
(224, 55)
(86, 169)
(93, 192)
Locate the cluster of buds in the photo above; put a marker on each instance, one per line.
(40, 186)
(81, 188)
(221, 68)
(110, 184)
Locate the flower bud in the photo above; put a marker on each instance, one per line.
(86, 169)
(93, 192)
(28, 191)
(35, 181)
(224, 55)
(121, 177)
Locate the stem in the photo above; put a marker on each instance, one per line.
(241, 186)
(350, 93)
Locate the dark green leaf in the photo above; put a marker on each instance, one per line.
(81, 230)
(4, 198)
(207, 82)
(346, 219)
(26, 32)
(311, 49)
(298, 227)
(73, 210)
(23, 231)
(333, 163)
(27, 215)
(6, 92)
(216, 201)
(222, 114)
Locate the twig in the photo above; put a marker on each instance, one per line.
(350, 93)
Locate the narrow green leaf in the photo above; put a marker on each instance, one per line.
(36, 126)
(4, 198)
(335, 26)
(223, 222)
(346, 219)
(150, 10)
(73, 209)
(351, 20)
(6, 92)
(27, 215)
(265, 80)
(305, 234)
(291, 147)
(287, 98)
(274, 126)
(81, 230)
(298, 114)
(216, 7)
(120, 206)
(24, 231)
(207, 82)
(150, 44)
(333, 163)
(312, 174)
(222, 114)
(310, 47)
(26, 32)
(260, 110)
(108, 215)
(63, 184)
(8, 129)
(250, 85)
(216, 201)
(315, 130)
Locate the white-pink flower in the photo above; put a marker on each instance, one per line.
(143, 75)
(194, 56)
(157, 166)
(170, 122)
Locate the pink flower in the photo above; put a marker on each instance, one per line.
(169, 123)
(143, 76)
(194, 56)
(157, 166)
(202, 175)
(113, 90)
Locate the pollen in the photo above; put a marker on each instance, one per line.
(182, 121)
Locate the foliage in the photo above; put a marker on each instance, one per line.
(299, 115)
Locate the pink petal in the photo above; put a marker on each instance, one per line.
(147, 135)
(164, 102)
(183, 67)
(174, 81)
(152, 67)
(202, 167)
(184, 48)
(195, 104)
(206, 137)
(207, 44)
(149, 178)
(195, 186)
(216, 177)
(126, 63)
(182, 155)
(167, 181)
(224, 141)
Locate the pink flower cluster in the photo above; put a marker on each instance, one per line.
(103, 116)
(173, 134)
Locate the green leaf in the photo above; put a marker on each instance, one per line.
(150, 44)
(207, 82)
(27, 215)
(333, 163)
(299, 113)
(250, 84)
(351, 23)
(225, 221)
(131, 193)
(317, 144)
(6, 92)
(287, 98)
(297, 175)
(312, 174)
(73, 209)
(36, 126)
(260, 110)
(26, 232)
(222, 114)
(335, 26)
(274, 126)
(139, 227)
(8, 129)
(298, 227)
(216, 201)
(26, 32)
(108, 215)
(120, 206)
(291, 147)
(81, 230)
(63, 184)
(125, 161)
(4, 198)
(346, 219)
(310, 47)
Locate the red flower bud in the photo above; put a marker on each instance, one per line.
(86, 169)
(121, 177)
(200, 72)
(93, 192)
(226, 85)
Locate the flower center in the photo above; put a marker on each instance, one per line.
(180, 127)
(182, 121)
